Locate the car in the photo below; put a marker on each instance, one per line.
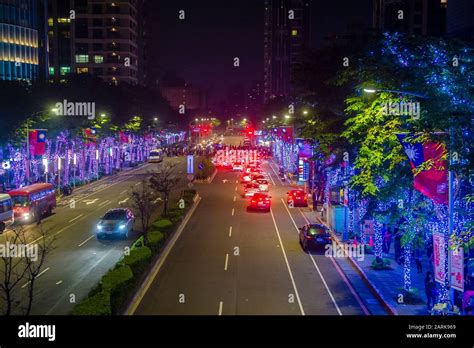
(262, 185)
(246, 178)
(298, 197)
(260, 201)
(238, 166)
(248, 190)
(314, 235)
(115, 222)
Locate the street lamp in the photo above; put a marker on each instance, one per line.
(305, 112)
(274, 117)
(287, 117)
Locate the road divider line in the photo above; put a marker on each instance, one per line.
(221, 304)
(60, 282)
(39, 275)
(230, 231)
(273, 170)
(138, 183)
(88, 239)
(287, 264)
(77, 217)
(226, 262)
(235, 198)
(236, 189)
(233, 211)
(315, 264)
(123, 192)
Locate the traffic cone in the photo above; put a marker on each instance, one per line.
(371, 241)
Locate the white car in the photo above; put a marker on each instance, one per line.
(238, 166)
(248, 190)
(246, 178)
(262, 185)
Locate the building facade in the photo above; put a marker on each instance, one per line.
(22, 39)
(414, 17)
(287, 28)
(106, 40)
(460, 19)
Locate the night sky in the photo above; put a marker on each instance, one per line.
(201, 48)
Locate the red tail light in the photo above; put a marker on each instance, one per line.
(254, 201)
(305, 198)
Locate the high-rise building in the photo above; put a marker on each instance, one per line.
(415, 17)
(22, 39)
(287, 31)
(460, 19)
(254, 98)
(107, 39)
(60, 40)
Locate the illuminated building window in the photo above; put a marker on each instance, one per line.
(294, 32)
(82, 70)
(65, 70)
(98, 59)
(51, 70)
(82, 58)
(50, 22)
(64, 20)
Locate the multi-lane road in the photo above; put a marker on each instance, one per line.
(79, 259)
(228, 261)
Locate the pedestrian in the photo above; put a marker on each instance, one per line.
(388, 240)
(417, 255)
(430, 290)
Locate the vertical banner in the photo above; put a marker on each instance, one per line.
(456, 269)
(439, 257)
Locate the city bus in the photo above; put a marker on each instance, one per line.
(156, 156)
(32, 202)
(6, 211)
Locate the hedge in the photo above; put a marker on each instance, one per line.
(155, 239)
(99, 304)
(163, 225)
(119, 282)
(138, 260)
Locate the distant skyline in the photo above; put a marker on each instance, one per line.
(201, 48)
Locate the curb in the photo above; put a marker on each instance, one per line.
(158, 263)
(375, 291)
(208, 180)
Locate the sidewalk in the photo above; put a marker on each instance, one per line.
(388, 283)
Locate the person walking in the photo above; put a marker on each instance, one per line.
(417, 255)
(430, 290)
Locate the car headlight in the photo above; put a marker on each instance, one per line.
(26, 215)
(122, 227)
(99, 227)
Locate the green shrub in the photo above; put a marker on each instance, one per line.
(385, 264)
(140, 242)
(99, 304)
(175, 214)
(119, 282)
(163, 225)
(155, 239)
(138, 260)
(411, 297)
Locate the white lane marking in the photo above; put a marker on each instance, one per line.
(278, 177)
(88, 239)
(233, 211)
(123, 192)
(157, 200)
(315, 264)
(344, 277)
(224, 181)
(236, 188)
(287, 264)
(230, 231)
(90, 201)
(60, 282)
(235, 198)
(226, 262)
(221, 304)
(124, 201)
(138, 183)
(271, 178)
(104, 203)
(77, 217)
(236, 181)
(39, 275)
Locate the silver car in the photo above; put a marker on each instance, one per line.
(116, 222)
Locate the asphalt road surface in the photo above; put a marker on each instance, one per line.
(79, 259)
(229, 261)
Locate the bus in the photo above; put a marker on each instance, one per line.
(32, 202)
(6, 211)
(156, 156)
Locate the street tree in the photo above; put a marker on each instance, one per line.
(145, 201)
(164, 181)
